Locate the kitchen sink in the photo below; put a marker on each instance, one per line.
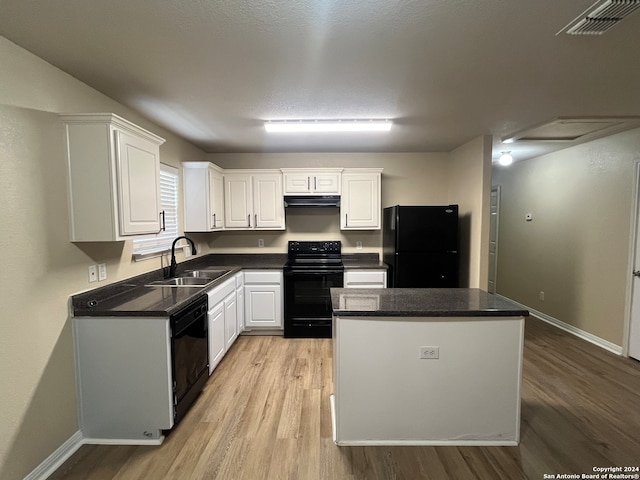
(206, 273)
(183, 282)
(195, 278)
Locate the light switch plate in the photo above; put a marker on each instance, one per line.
(102, 271)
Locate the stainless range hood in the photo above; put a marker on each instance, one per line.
(308, 201)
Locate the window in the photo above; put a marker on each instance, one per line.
(145, 247)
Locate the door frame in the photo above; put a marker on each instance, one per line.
(498, 190)
(633, 254)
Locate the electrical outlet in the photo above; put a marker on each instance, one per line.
(102, 271)
(93, 273)
(541, 296)
(358, 245)
(261, 243)
(429, 352)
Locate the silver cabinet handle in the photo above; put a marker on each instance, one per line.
(308, 183)
(214, 222)
(249, 220)
(346, 219)
(315, 183)
(255, 225)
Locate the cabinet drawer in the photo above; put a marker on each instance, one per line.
(218, 294)
(262, 276)
(239, 279)
(365, 279)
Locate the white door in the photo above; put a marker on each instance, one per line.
(360, 201)
(634, 326)
(268, 201)
(238, 201)
(216, 336)
(326, 183)
(138, 184)
(230, 319)
(493, 238)
(216, 199)
(263, 306)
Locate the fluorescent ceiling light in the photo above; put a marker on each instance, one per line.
(334, 126)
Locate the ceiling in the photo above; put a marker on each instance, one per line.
(445, 71)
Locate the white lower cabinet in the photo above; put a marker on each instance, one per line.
(217, 344)
(365, 279)
(230, 318)
(222, 321)
(263, 299)
(240, 301)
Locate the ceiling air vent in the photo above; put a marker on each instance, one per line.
(601, 16)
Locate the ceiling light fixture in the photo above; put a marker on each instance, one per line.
(323, 126)
(505, 159)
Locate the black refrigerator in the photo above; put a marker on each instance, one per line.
(420, 246)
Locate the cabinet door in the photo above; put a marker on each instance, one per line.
(312, 182)
(238, 201)
(326, 183)
(240, 309)
(216, 199)
(297, 183)
(138, 170)
(268, 201)
(217, 341)
(230, 320)
(360, 201)
(263, 306)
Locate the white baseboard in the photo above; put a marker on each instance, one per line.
(589, 337)
(57, 458)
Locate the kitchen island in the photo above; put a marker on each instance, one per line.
(426, 367)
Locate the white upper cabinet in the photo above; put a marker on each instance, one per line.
(253, 200)
(300, 181)
(203, 197)
(360, 200)
(113, 178)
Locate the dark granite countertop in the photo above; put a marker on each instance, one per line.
(421, 302)
(363, 261)
(133, 297)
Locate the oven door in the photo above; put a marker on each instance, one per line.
(307, 302)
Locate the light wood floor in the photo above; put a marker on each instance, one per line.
(264, 414)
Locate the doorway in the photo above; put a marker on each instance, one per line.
(493, 238)
(634, 320)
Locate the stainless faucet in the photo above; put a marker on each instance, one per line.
(172, 267)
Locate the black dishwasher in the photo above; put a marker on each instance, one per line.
(189, 354)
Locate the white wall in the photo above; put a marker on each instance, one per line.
(40, 268)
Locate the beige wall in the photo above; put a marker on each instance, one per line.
(40, 268)
(470, 188)
(576, 247)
